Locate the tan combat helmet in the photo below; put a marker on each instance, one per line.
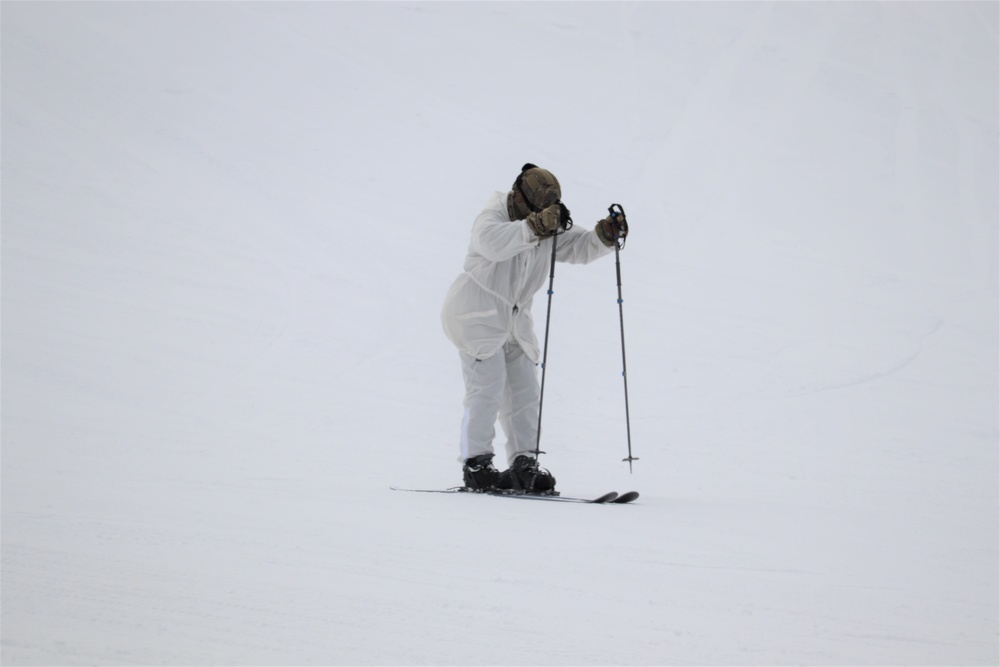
(538, 187)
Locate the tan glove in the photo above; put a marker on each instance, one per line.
(545, 222)
(609, 231)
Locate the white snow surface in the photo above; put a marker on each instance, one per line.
(227, 232)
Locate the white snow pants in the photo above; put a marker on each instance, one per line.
(504, 385)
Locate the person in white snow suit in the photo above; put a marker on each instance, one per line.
(487, 315)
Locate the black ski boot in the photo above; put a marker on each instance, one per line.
(480, 475)
(525, 475)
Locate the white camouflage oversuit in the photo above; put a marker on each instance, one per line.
(487, 315)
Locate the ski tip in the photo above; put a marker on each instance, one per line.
(626, 497)
(606, 498)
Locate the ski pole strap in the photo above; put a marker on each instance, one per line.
(621, 224)
(565, 221)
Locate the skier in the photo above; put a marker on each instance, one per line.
(487, 315)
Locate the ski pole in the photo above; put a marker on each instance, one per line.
(618, 216)
(565, 223)
(545, 351)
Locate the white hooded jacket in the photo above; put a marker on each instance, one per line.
(507, 264)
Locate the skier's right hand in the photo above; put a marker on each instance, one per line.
(545, 222)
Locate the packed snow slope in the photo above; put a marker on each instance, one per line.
(227, 232)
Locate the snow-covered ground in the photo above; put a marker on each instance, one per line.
(227, 232)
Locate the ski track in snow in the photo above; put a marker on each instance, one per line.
(227, 232)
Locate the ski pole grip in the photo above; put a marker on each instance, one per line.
(618, 216)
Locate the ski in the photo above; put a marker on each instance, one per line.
(626, 497)
(609, 497)
(612, 497)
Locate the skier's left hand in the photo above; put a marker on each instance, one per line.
(609, 230)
